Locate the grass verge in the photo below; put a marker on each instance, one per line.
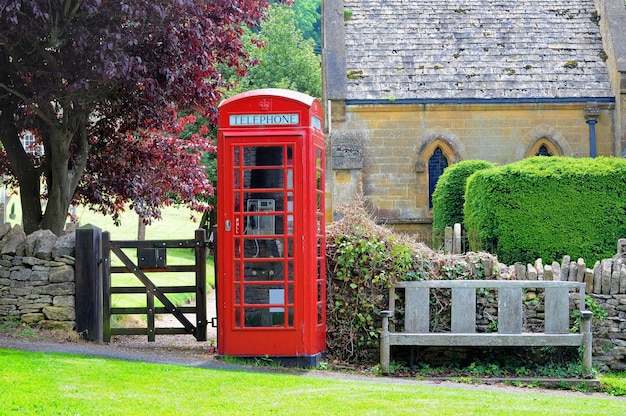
(614, 383)
(40, 383)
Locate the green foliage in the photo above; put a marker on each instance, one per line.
(309, 20)
(503, 365)
(449, 195)
(582, 387)
(15, 328)
(570, 369)
(363, 260)
(548, 207)
(11, 322)
(285, 60)
(598, 312)
(614, 384)
(361, 270)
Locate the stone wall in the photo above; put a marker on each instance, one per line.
(37, 278)
(605, 282)
(391, 168)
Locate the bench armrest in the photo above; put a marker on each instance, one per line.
(586, 315)
(585, 330)
(384, 342)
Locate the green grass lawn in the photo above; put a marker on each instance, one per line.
(58, 384)
(177, 223)
(614, 383)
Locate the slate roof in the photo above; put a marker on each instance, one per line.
(466, 49)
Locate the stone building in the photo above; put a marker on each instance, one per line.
(412, 86)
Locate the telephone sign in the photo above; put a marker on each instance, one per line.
(265, 119)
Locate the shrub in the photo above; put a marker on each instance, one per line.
(363, 259)
(545, 207)
(449, 195)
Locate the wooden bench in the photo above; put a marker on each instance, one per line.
(510, 317)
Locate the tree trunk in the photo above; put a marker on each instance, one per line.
(66, 148)
(141, 229)
(31, 206)
(58, 184)
(25, 172)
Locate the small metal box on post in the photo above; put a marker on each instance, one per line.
(271, 227)
(152, 258)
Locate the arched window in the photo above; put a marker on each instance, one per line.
(436, 154)
(544, 147)
(543, 151)
(436, 164)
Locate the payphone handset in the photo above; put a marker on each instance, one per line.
(261, 224)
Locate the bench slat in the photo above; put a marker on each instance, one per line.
(463, 310)
(493, 340)
(557, 310)
(417, 317)
(510, 310)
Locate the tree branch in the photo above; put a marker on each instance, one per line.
(35, 109)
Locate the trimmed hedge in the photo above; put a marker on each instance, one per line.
(449, 195)
(548, 207)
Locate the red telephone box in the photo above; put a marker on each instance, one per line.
(271, 296)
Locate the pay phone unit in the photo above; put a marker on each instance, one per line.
(261, 224)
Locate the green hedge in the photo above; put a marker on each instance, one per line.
(448, 198)
(548, 207)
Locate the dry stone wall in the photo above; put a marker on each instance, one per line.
(605, 282)
(37, 284)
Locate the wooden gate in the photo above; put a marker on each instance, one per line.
(155, 251)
